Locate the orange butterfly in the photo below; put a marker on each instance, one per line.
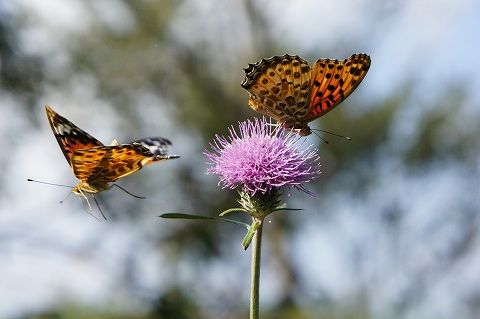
(288, 90)
(97, 165)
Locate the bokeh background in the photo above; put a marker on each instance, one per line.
(393, 231)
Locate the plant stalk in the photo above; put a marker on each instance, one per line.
(255, 283)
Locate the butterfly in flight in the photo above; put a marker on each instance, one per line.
(97, 165)
(288, 90)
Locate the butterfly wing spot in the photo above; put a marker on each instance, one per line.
(290, 100)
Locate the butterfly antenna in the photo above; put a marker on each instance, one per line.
(61, 202)
(123, 189)
(83, 206)
(318, 135)
(53, 184)
(334, 134)
(83, 195)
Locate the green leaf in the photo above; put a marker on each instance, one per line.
(199, 217)
(287, 209)
(249, 236)
(284, 207)
(184, 216)
(225, 212)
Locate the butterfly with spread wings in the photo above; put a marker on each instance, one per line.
(97, 165)
(288, 90)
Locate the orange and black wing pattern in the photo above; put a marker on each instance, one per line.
(69, 137)
(333, 81)
(109, 163)
(288, 90)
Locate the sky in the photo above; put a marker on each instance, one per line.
(434, 42)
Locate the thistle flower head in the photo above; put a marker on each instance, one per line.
(261, 158)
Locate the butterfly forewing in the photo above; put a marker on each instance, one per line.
(333, 81)
(68, 135)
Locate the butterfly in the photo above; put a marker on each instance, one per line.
(97, 165)
(288, 90)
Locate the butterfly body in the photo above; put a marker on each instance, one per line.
(96, 165)
(287, 89)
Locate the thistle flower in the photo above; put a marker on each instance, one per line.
(261, 159)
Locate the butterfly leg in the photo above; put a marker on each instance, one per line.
(98, 205)
(83, 205)
(82, 194)
(123, 189)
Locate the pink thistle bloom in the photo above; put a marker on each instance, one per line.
(262, 157)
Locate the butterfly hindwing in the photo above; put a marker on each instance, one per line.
(279, 87)
(68, 135)
(333, 81)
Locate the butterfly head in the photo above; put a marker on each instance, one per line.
(305, 131)
(301, 129)
(296, 126)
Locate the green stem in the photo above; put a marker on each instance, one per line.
(255, 284)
